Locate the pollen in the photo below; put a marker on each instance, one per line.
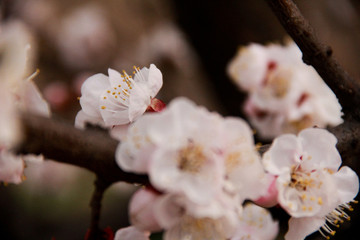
(191, 158)
(103, 107)
(108, 91)
(104, 97)
(320, 201)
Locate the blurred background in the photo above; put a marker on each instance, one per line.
(191, 42)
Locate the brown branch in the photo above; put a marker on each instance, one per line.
(62, 142)
(319, 56)
(95, 150)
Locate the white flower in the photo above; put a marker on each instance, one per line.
(311, 187)
(256, 223)
(285, 94)
(200, 228)
(131, 233)
(206, 163)
(17, 90)
(11, 167)
(119, 98)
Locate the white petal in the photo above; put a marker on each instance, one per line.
(299, 228)
(139, 100)
(320, 146)
(282, 154)
(113, 112)
(257, 223)
(114, 78)
(91, 91)
(82, 118)
(32, 100)
(348, 184)
(155, 80)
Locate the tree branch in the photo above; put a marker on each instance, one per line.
(95, 233)
(319, 56)
(95, 150)
(62, 142)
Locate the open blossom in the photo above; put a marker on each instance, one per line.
(311, 187)
(118, 99)
(186, 149)
(256, 223)
(285, 94)
(203, 166)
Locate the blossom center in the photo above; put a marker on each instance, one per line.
(191, 158)
(122, 91)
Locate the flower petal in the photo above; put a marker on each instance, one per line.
(320, 146)
(91, 90)
(299, 228)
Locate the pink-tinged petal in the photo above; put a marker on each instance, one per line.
(348, 184)
(11, 167)
(131, 233)
(270, 198)
(168, 210)
(282, 154)
(156, 105)
(82, 118)
(299, 228)
(320, 148)
(91, 91)
(141, 210)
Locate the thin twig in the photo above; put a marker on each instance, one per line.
(319, 56)
(95, 233)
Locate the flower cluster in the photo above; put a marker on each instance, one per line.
(201, 166)
(18, 92)
(285, 94)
